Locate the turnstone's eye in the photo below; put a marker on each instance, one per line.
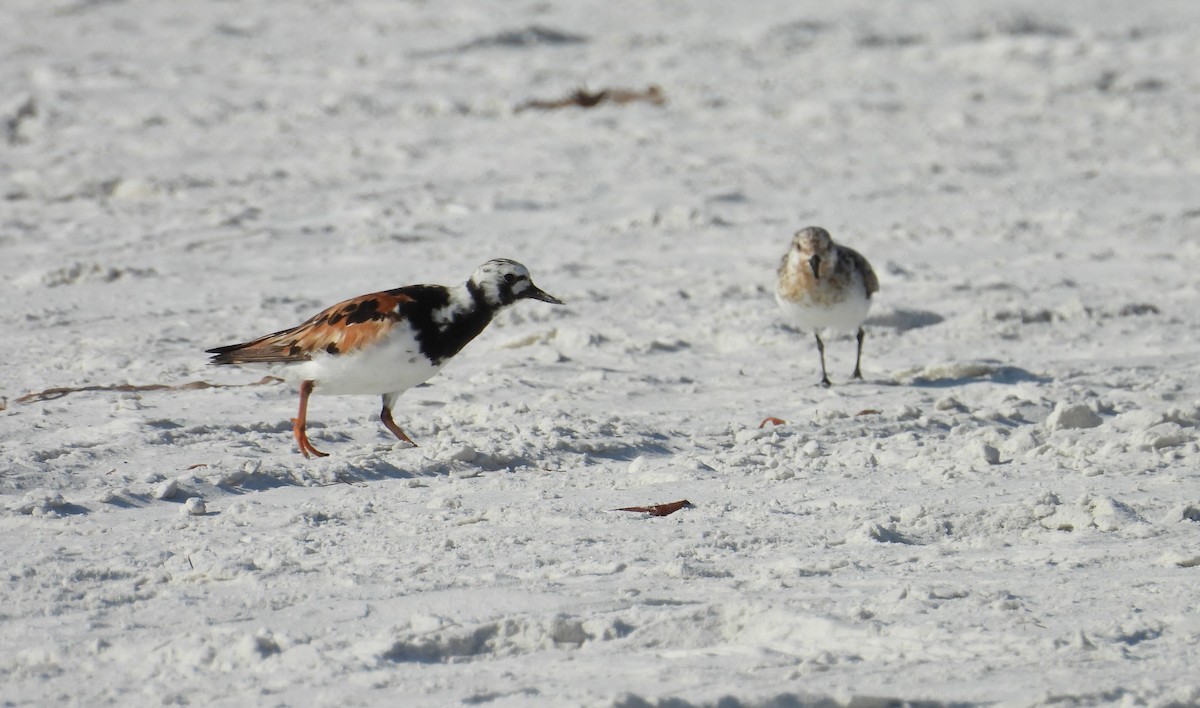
(510, 278)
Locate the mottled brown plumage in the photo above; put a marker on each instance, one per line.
(840, 271)
(341, 329)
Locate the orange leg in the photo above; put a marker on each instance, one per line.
(386, 417)
(298, 423)
(772, 420)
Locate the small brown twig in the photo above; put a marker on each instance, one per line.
(52, 393)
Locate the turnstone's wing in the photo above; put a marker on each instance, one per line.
(859, 263)
(343, 328)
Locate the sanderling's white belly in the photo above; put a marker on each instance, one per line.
(391, 366)
(845, 315)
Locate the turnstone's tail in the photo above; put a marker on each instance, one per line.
(260, 351)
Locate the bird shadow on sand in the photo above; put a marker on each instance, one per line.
(390, 462)
(980, 372)
(564, 456)
(256, 483)
(903, 320)
(72, 509)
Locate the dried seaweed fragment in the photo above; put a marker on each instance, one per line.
(660, 509)
(583, 98)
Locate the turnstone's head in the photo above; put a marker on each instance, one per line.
(503, 282)
(813, 245)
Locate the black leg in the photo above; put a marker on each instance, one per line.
(821, 349)
(858, 359)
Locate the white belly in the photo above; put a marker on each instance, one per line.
(392, 365)
(845, 315)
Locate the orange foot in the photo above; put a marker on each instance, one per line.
(772, 420)
(298, 424)
(386, 418)
(306, 447)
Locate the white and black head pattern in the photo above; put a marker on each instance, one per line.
(501, 282)
(452, 317)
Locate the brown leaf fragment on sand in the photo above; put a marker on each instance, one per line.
(661, 509)
(52, 393)
(583, 98)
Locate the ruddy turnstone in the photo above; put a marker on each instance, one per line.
(387, 342)
(825, 286)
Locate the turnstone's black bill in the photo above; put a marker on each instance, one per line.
(387, 342)
(825, 286)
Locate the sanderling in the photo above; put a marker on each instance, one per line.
(823, 286)
(386, 342)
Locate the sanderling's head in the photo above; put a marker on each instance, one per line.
(813, 246)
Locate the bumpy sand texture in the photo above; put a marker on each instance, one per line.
(1006, 510)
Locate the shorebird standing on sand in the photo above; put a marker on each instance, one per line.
(387, 342)
(825, 286)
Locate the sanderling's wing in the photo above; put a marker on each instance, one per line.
(858, 262)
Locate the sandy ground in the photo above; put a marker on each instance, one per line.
(1006, 511)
